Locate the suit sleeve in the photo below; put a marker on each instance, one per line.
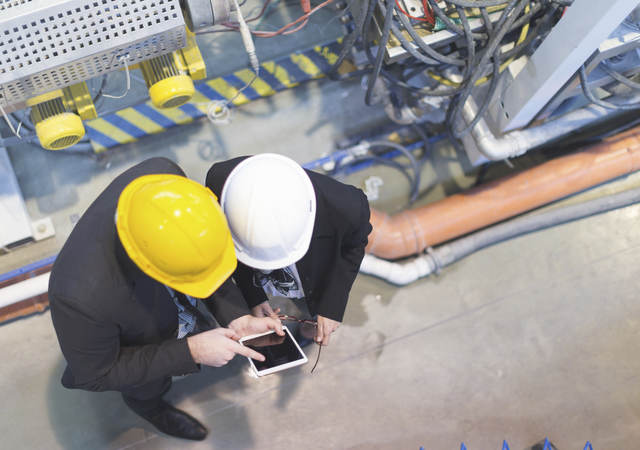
(227, 303)
(96, 360)
(333, 300)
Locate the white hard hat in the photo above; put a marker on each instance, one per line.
(270, 206)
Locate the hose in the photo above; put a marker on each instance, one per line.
(444, 255)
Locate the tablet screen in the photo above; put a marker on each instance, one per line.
(277, 350)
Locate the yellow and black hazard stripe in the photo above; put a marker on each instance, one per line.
(132, 123)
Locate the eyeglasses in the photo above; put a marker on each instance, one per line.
(295, 319)
(307, 321)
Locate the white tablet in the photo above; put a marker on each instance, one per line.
(280, 352)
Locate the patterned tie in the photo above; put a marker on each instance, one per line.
(202, 319)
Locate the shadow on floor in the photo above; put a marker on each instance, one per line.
(216, 396)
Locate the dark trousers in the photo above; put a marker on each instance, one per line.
(143, 400)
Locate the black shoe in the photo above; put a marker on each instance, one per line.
(176, 423)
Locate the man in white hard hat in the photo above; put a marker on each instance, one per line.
(297, 234)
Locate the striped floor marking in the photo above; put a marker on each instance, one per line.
(133, 123)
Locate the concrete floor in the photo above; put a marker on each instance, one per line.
(535, 337)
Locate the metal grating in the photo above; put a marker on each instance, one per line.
(47, 45)
(6, 4)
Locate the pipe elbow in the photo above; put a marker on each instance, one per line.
(393, 237)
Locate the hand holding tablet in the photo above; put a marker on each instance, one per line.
(280, 352)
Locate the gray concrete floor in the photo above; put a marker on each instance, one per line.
(535, 337)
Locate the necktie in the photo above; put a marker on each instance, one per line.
(202, 319)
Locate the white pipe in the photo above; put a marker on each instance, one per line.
(519, 142)
(398, 273)
(24, 290)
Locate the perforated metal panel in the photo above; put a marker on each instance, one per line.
(49, 44)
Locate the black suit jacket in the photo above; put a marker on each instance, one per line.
(330, 266)
(117, 326)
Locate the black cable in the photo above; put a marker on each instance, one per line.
(413, 164)
(351, 39)
(619, 77)
(509, 14)
(404, 21)
(450, 24)
(477, 3)
(382, 47)
(596, 101)
(410, 48)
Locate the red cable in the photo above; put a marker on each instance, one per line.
(285, 29)
(428, 17)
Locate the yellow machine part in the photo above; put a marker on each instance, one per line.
(192, 58)
(78, 98)
(60, 131)
(45, 97)
(58, 115)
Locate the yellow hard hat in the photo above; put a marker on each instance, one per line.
(174, 230)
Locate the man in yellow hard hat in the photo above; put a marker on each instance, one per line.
(137, 289)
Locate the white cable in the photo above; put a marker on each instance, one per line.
(6, 119)
(218, 111)
(247, 39)
(126, 68)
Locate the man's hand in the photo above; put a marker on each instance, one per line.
(247, 324)
(217, 347)
(325, 328)
(264, 310)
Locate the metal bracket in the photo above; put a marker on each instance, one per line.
(584, 26)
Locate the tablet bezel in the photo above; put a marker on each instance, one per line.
(271, 370)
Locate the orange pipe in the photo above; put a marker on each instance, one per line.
(412, 231)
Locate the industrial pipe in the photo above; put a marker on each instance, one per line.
(412, 231)
(444, 255)
(519, 142)
(24, 290)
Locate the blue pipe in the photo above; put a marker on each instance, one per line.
(28, 268)
(339, 155)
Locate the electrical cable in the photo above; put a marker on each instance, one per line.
(427, 48)
(386, 31)
(218, 111)
(508, 16)
(586, 90)
(351, 39)
(284, 30)
(123, 59)
(619, 77)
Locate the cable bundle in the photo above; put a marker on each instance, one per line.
(458, 68)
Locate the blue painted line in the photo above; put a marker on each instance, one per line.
(296, 74)
(154, 115)
(271, 80)
(209, 92)
(125, 125)
(237, 83)
(100, 138)
(191, 111)
(319, 61)
(28, 268)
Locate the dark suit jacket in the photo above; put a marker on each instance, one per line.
(117, 326)
(330, 266)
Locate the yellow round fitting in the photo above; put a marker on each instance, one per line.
(172, 92)
(60, 131)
